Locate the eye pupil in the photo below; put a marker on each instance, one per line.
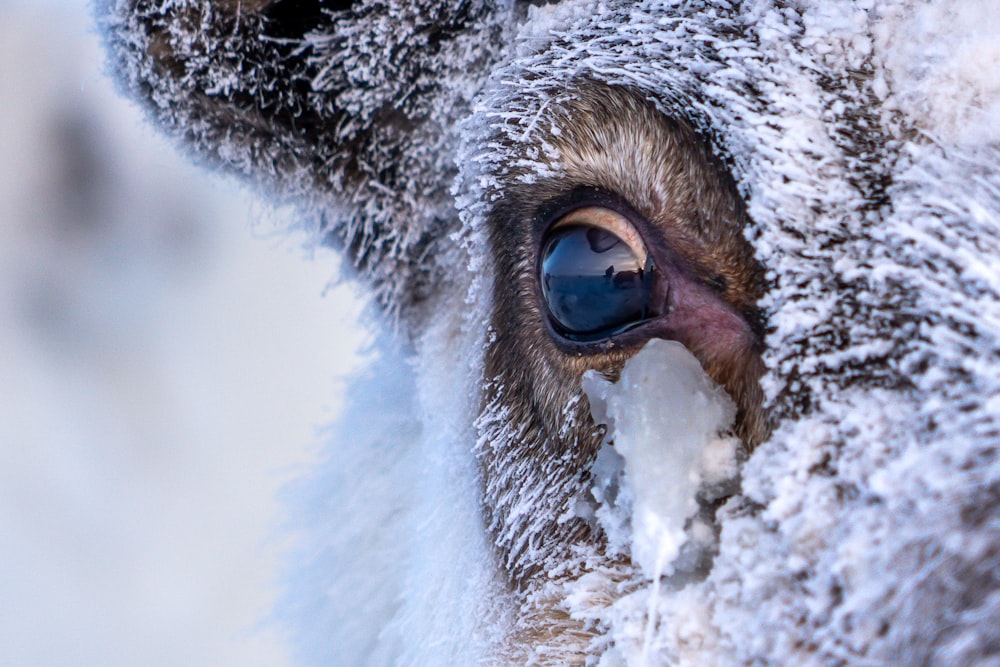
(594, 285)
(601, 240)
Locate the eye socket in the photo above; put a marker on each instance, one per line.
(596, 275)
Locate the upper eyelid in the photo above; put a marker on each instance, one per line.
(555, 208)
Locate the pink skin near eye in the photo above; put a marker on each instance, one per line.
(702, 320)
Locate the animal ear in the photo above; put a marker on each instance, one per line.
(347, 108)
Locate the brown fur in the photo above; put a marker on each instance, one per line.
(611, 140)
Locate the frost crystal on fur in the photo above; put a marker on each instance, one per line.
(864, 139)
(345, 115)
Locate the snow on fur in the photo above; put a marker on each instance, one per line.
(350, 120)
(848, 544)
(865, 140)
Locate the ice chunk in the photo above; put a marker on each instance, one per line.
(613, 498)
(666, 421)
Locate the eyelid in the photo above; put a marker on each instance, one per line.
(611, 221)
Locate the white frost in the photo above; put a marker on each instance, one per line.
(664, 417)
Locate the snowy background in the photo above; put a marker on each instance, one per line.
(164, 360)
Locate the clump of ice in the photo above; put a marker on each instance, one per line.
(667, 423)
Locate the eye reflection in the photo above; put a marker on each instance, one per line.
(595, 283)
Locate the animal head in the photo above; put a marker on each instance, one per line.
(533, 192)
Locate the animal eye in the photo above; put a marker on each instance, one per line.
(596, 275)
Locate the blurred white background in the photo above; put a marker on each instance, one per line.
(163, 365)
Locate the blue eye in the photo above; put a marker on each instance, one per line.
(594, 282)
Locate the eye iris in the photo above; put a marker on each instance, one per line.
(593, 283)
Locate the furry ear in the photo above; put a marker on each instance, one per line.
(346, 108)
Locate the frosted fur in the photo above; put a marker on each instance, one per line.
(849, 542)
(416, 590)
(864, 138)
(208, 71)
